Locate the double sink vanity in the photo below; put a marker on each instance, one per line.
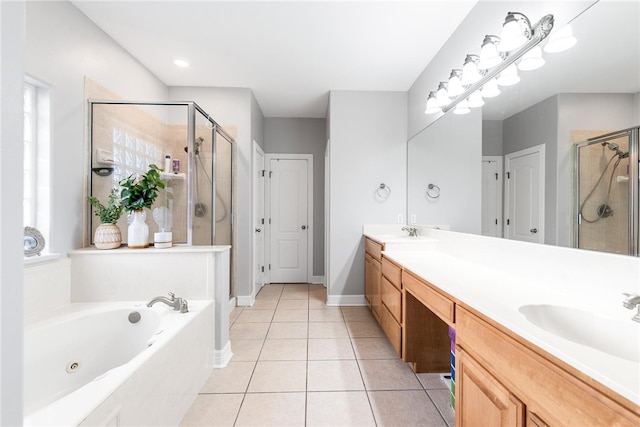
(542, 337)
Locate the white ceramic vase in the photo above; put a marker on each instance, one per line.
(107, 236)
(138, 231)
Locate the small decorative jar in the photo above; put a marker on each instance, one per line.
(107, 236)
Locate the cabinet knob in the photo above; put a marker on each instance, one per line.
(258, 230)
(534, 230)
(304, 227)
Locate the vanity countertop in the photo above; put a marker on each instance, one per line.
(497, 277)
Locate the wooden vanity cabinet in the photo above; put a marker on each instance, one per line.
(502, 379)
(391, 309)
(373, 276)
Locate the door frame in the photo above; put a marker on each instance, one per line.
(540, 149)
(499, 160)
(310, 227)
(257, 212)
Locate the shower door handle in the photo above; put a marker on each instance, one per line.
(534, 230)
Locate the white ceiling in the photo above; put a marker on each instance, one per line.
(289, 53)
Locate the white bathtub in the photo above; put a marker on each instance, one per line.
(90, 365)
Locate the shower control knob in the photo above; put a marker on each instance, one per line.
(534, 230)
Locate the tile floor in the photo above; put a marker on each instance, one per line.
(298, 362)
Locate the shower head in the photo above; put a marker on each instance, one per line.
(613, 147)
(196, 145)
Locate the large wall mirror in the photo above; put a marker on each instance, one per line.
(591, 89)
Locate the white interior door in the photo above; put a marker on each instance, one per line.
(289, 230)
(524, 207)
(492, 196)
(258, 218)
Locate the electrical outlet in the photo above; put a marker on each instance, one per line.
(400, 219)
(413, 219)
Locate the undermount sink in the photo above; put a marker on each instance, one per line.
(615, 337)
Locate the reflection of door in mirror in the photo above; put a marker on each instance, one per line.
(524, 194)
(492, 196)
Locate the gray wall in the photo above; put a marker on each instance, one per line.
(303, 136)
(492, 138)
(368, 134)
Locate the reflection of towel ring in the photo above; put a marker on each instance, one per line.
(433, 191)
(383, 192)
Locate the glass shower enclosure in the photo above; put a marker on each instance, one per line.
(195, 153)
(606, 195)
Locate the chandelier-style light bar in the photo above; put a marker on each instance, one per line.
(481, 75)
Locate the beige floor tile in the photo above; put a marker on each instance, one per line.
(365, 330)
(442, 400)
(296, 287)
(333, 375)
(233, 378)
(272, 409)
(357, 314)
(234, 314)
(269, 292)
(432, 381)
(288, 330)
(246, 350)
(295, 295)
(330, 349)
(284, 349)
(293, 304)
(283, 315)
(263, 304)
(404, 408)
(213, 410)
(318, 304)
(278, 376)
(389, 374)
(327, 330)
(373, 348)
(329, 314)
(255, 316)
(248, 331)
(344, 409)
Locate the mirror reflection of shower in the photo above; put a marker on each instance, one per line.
(603, 210)
(200, 208)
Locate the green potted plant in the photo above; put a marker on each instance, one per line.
(107, 235)
(137, 193)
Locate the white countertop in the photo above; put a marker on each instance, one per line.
(496, 277)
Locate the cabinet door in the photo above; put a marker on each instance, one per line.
(376, 291)
(368, 277)
(480, 399)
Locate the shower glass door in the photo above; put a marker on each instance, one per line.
(606, 197)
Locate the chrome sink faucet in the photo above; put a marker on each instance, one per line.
(177, 303)
(631, 302)
(413, 232)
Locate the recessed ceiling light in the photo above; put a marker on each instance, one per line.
(181, 63)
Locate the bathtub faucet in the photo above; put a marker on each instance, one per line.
(178, 303)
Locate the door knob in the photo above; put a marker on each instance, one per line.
(534, 230)
(258, 230)
(304, 227)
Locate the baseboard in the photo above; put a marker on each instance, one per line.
(232, 303)
(318, 280)
(222, 357)
(246, 300)
(346, 300)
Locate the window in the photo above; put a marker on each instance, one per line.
(36, 211)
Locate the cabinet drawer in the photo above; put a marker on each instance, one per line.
(373, 248)
(392, 272)
(440, 305)
(392, 329)
(392, 298)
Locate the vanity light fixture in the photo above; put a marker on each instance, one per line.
(496, 64)
(462, 107)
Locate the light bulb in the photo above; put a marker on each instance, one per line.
(441, 95)
(512, 36)
(509, 76)
(470, 72)
(462, 107)
(432, 104)
(490, 89)
(455, 85)
(531, 60)
(561, 40)
(489, 56)
(475, 100)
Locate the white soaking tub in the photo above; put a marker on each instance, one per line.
(116, 364)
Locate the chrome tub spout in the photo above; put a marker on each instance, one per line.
(177, 303)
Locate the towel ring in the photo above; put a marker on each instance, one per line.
(433, 191)
(383, 192)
